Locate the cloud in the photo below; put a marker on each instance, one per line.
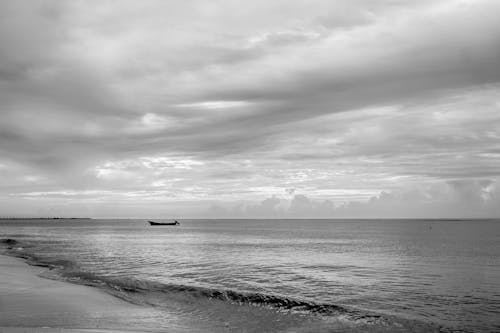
(267, 208)
(214, 105)
(300, 206)
(340, 101)
(453, 199)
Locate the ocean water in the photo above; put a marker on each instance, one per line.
(281, 275)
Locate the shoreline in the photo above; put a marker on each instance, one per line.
(30, 303)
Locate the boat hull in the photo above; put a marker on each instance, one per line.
(163, 223)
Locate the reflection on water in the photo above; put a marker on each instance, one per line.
(442, 272)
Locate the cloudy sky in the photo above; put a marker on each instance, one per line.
(303, 108)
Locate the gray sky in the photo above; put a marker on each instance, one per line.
(250, 108)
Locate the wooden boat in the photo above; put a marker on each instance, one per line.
(163, 223)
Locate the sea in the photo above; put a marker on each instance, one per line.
(381, 275)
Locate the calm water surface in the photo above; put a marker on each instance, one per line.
(272, 275)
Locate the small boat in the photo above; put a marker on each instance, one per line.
(163, 223)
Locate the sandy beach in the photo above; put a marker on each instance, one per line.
(29, 303)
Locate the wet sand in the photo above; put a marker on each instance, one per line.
(29, 303)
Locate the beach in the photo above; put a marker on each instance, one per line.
(29, 303)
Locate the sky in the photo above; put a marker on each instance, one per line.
(250, 109)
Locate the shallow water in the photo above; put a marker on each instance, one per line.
(295, 275)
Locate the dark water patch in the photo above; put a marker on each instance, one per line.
(8, 241)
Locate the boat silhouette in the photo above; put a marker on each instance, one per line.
(163, 223)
